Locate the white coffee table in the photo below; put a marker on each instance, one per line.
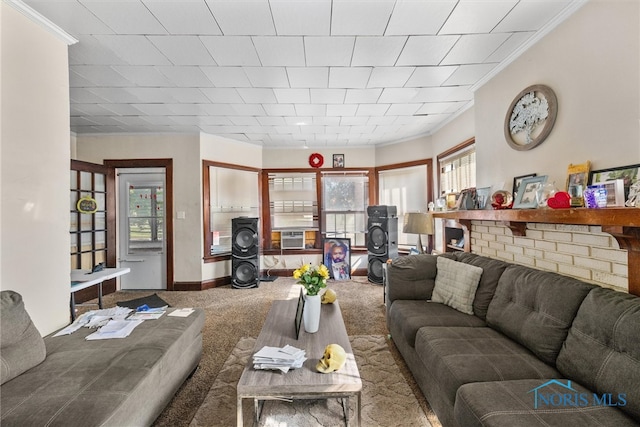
(306, 382)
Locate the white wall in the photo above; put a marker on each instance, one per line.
(591, 61)
(273, 158)
(34, 228)
(187, 185)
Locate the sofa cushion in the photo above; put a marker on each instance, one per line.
(21, 345)
(492, 269)
(513, 403)
(461, 355)
(536, 308)
(602, 350)
(456, 284)
(411, 277)
(411, 315)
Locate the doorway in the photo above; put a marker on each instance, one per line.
(145, 229)
(141, 225)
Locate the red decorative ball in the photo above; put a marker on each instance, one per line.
(316, 160)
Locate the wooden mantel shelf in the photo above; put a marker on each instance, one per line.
(622, 223)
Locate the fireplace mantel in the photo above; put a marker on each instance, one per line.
(622, 223)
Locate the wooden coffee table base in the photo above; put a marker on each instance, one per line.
(305, 382)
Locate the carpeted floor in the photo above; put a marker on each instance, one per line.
(385, 394)
(235, 313)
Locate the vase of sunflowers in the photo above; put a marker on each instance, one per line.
(313, 279)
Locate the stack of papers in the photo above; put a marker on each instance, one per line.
(281, 359)
(148, 313)
(114, 329)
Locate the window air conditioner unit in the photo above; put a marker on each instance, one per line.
(292, 239)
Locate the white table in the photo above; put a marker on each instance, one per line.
(82, 279)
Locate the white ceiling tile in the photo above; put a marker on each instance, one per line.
(531, 15)
(381, 121)
(398, 95)
(71, 16)
(362, 96)
(344, 77)
(341, 109)
(402, 109)
(312, 77)
(377, 51)
(229, 51)
(436, 107)
(257, 95)
(226, 76)
(82, 121)
(183, 50)
(142, 75)
(149, 94)
(93, 110)
(217, 109)
(121, 109)
(430, 76)
(354, 121)
(474, 16)
(187, 94)
(327, 96)
(305, 122)
(222, 95)
(390, 76)
(412, 17)
(267, 76)
(426, 50)
(324, 51)
(187, 109)
(508, 47)
(372, 109)
(184, 17)
(271, 121)
(243, 17)
(154, 109)
(244, 121)
(185, 76)
(100, 75)
(468, 74)
(249, 110)
(126, 17)
(112, 95)
(444, 94)
(362, 128)
(133, 50)
(301, 17)
(311, 110)
(292, 96)
(90, 51)
(279, 109)
(280, 51)
(474, 48)
(350, 18)
(326, 121)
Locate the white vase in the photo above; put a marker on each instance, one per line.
(311, 313)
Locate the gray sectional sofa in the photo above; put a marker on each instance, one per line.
(537, 349)
(69, 381)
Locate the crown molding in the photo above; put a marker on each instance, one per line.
(41, 20)
(535, 38)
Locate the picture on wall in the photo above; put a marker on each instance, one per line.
(338, 160)
(337, 257)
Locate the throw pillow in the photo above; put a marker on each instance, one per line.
(21, 345)
(456, 284)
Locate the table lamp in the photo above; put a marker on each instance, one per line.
(418, 223)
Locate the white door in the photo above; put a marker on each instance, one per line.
(141, 224)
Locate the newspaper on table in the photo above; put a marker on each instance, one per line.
(279, 358)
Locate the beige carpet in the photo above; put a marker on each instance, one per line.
(385, 394)
(235, 313)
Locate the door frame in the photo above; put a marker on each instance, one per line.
(167, 164)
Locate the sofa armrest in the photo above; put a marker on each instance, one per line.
(410, 277)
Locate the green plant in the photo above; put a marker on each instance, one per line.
(313, 278)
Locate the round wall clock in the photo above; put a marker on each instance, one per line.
(530, 117)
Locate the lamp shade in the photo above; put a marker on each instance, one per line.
(418, 223)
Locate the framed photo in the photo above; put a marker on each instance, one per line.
(577, 179)
(299, 311)
(517, 180)
(338, 160)
(527, 192)
(628, 174)
(483, 195)
(615, 192)
(452, 200)
(337, 257)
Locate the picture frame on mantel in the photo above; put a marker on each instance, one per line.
(517, 180)
(577, 179)
(629, 174)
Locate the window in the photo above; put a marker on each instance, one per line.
(144, 219)
(405, 188)
(458, 168)
(230, 191)
(345, 199)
